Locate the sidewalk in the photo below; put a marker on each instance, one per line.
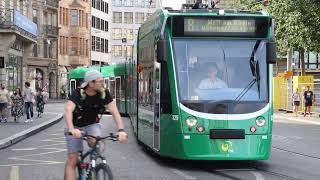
(314, 119)
(12, 132)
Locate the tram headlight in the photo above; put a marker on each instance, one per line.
(260, 121)
(191, 121)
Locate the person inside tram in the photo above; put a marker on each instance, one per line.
(212, 81)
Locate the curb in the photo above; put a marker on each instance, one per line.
(4, 143)
(310, 121)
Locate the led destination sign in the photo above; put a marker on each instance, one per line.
(216, 26)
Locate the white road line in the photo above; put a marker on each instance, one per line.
(14, 173)
(50, 140)
(184, 175)
(34, 160)
(24, 149)
(56, 134)
(258, 175)
(29, 155)
(247, 169)
(25, 164)
(305, 121)
(48, 145)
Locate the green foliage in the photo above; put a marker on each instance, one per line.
(297, 21)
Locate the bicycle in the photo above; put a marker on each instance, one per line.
(90, 170)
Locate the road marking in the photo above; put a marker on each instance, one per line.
(184, 175)
(24, 149)
(14, 173)
(52, 140)
(25, 164)
(258, 175)
(40, 161)
(247, 169)
(56, 134)
(305, 121)
(29, 155)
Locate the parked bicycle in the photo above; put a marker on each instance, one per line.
(92, 165)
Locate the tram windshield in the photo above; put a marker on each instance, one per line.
(221, 72)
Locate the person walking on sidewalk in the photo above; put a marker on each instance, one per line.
(81, 114)
(17, 105)
(28, 101)
(4, 101)
(40, 102)
(296, 101)
(308, 99)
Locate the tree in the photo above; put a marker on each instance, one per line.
(297, 22)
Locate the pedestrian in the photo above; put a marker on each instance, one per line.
(17, 105)
(45, 93)
(308, 99)
(40, 102)
(296, 101)
(28, 96)
(4, 101)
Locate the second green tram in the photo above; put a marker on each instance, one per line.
(199, 86)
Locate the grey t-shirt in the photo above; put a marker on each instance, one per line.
(28, 94)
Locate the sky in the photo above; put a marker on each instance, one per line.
(175, 4)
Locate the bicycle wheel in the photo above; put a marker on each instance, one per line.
(103, 172)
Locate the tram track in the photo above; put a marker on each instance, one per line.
(296, 153)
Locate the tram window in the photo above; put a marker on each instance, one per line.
(123, 87)
(165, 94)
(112, 88)
(118, 88)
(106, 83)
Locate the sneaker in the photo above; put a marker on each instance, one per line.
(5, 120)
(26, 121)
(31, 120)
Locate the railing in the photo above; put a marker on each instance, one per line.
(7, 21)
(51, 30)
(52, 3)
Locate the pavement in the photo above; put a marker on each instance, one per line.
(282, 115)
(12, 132)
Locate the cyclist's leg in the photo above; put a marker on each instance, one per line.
(74, 145)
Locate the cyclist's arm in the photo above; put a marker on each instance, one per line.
(115, 114)
(69, 108)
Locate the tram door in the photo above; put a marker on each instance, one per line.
(156, 124)
(72, 86)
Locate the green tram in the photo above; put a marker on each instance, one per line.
(199, 86)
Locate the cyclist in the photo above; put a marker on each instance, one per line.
(81, 114)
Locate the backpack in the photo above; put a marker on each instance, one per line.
(78, 112)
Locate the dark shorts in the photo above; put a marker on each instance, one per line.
(308, 103)
(296, 103)
(3, 106)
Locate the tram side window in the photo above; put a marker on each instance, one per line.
(123, 87)
(165, 94)
(118, 88)
(112, 87)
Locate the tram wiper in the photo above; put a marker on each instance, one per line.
(254, 66)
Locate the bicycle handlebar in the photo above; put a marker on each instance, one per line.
(85, 136)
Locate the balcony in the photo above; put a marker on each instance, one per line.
(52, 3)
(13, 21)
(51, 30)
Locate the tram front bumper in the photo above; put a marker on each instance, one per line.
(201, 147)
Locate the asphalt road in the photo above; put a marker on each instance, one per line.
(295, 155)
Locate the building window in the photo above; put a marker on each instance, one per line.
(35, 50)
(106, 8)
(117, 17)
(106, 46)
(45, 48)
(98, 4)
(117, 51)
(74, 17)
(149, 15)
(128, 33)
(128, 17)
(102, 45)
(93, 43)
(117, 2)
(117, 33)
(93, 21)
(98, 23)
(93, 3)
(139, 3)
(102, 25)
(129, 51)
(98, 42)
(106, 26)
(35, 16)
(128, 3)
(74, 46)
(139, 19)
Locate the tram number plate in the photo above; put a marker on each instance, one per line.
(227, 134)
